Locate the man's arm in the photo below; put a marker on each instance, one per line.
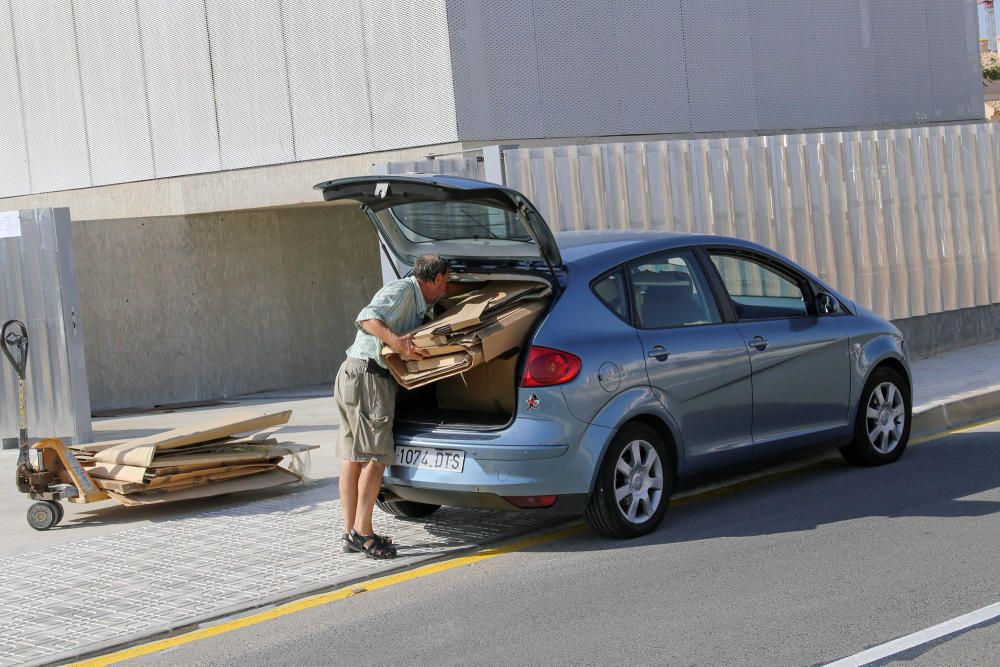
(401, 344)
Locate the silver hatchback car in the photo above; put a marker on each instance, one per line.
(659, 355)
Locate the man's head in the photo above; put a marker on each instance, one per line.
(432, 272)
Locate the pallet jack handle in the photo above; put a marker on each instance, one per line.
(14, 344)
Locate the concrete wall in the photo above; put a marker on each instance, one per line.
(205, 306)
(937, 333)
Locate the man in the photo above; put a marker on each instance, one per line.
(365, 393)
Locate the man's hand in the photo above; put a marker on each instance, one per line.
(407, 350)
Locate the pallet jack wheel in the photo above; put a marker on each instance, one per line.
(44, 514)
(60, 511)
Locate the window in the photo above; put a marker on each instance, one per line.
(669, 290)
(759, 292)
(611, 291)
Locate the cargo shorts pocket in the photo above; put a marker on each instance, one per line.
(348, 386)
(374, 435)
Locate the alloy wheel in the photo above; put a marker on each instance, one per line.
(885, 417)
(638, 481)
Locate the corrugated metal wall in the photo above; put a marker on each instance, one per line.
(38, 287)
(905, 221)
(566, 68)
(94, 92)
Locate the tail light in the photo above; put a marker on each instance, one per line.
(546, 367)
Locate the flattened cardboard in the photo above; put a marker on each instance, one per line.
(264, 480)
(241, 454)
(118, 486)
(410, 380)
(120, 473)
(475, 307)
(443, 361)
(140, 452)
(509, 331)
(208, 475)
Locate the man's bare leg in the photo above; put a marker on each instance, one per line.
(369, 485)
(350, 471)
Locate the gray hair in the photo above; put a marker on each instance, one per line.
(428, 267)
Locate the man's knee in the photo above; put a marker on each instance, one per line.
(374, 467)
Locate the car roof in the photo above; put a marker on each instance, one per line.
(608, 248)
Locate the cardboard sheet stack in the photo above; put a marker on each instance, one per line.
(214, 457)
(480, 327)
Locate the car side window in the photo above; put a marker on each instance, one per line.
(670, 290)
(612, 292)
(759, 292)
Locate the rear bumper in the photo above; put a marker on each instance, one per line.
(569, 505)
(560, 460)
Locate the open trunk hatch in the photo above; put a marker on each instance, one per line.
(457, 218)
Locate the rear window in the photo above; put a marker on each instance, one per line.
(427, 222)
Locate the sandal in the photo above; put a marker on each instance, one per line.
(373, 546)
(348, 547)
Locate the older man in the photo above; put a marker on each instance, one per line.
(366, 396)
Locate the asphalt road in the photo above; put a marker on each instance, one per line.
(801, 570)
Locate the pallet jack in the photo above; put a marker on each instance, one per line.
(46, 471)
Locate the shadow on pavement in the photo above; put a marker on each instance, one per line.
(111, 513)
(928, 481)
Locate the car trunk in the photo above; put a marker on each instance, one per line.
(481, 397)
(491, 234)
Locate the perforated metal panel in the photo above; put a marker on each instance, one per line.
(113, 86)
(328, 80)
(589, 67)
(15, 177)
(179, 84)
(251, 88)
(55, 125)
(409, 70)
(122, 90)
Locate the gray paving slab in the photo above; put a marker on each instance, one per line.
(108, 590)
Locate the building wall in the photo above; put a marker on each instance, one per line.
(110, 91)
(556, 68)
(205, 306)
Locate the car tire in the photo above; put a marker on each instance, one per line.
(406, 509)
(882, 425)
(633, 487)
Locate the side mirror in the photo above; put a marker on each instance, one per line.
(825, 304)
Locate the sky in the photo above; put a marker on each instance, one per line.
(983, 32)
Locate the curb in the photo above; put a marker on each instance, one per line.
(960, 410)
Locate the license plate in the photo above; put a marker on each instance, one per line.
(431, 458)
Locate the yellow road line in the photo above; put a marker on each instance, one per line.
(426, 570)
(325, 598)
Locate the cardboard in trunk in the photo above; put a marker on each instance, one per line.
(487, 324)
(490, 388)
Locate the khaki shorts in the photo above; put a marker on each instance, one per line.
(366, 404)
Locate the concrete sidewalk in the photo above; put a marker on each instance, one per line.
(110, 575)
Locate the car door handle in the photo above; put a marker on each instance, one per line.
(659, 353)
(759, 343)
